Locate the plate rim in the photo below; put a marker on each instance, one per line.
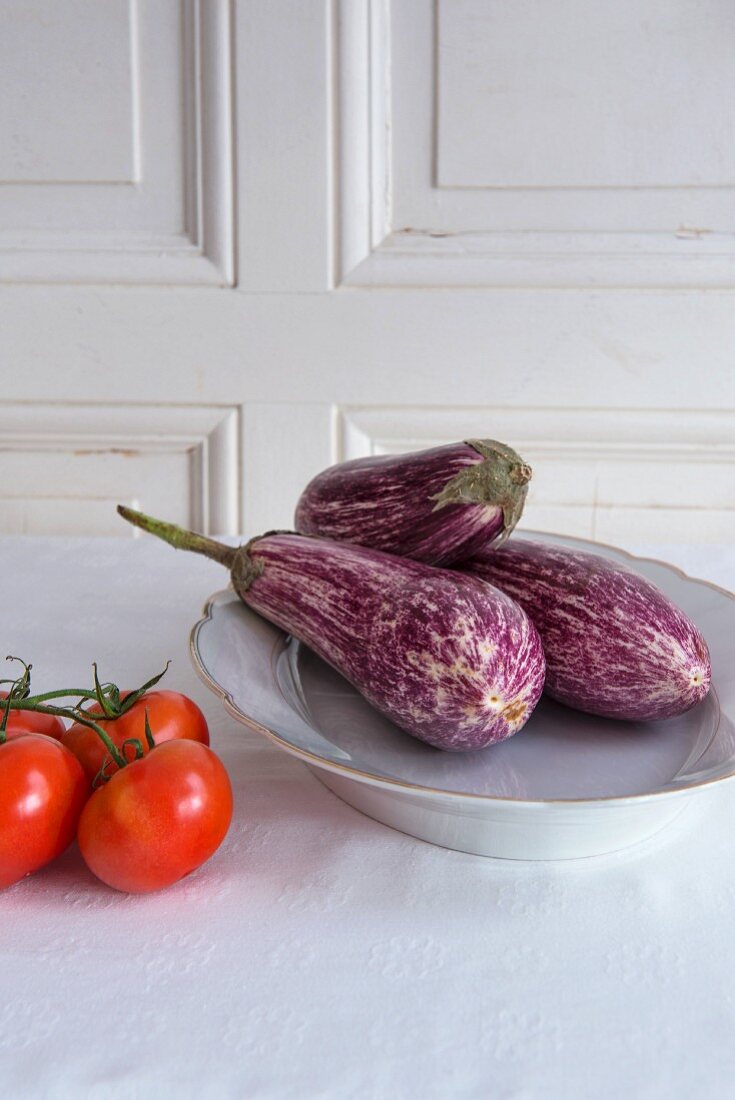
(359, 776)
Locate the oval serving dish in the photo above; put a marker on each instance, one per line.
(568, 785)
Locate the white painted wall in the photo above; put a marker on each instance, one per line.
(241, 241)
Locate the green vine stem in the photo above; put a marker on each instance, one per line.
(106, 696)
(73, 715)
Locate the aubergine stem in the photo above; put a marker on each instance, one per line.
(500, 480)
(243, 568)
(180, 538)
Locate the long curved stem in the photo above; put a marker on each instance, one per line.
(80, 693)
(179, 537)
(106, 696)
(68, 713)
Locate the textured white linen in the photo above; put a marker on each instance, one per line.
(320, 954)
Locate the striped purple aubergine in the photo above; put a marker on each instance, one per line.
(445, 656)
(435, 506)
(615, 644)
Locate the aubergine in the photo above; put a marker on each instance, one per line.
(446, 657)
(435, 506)
(615, 645)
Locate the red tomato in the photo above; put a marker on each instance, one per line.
(42, 793)
(158, 818)
(29, 721)
(171, 716)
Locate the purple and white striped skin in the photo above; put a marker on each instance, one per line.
(435, 506)
(446, 657)
(615, 644)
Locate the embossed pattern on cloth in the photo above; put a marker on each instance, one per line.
(320, 954)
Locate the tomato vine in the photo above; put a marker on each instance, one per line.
(111, 703)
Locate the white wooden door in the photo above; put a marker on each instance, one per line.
(239, 241)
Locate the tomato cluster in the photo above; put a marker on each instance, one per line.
(142, 821)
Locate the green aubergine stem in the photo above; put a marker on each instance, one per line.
(500, 480)
(179, 537)
(243, 568)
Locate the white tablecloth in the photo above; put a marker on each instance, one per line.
(320, 954)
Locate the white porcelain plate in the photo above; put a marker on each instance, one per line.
(567, 785)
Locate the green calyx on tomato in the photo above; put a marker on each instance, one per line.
(151, 720)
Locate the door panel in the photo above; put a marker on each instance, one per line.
(287, 233)
(116, 163)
